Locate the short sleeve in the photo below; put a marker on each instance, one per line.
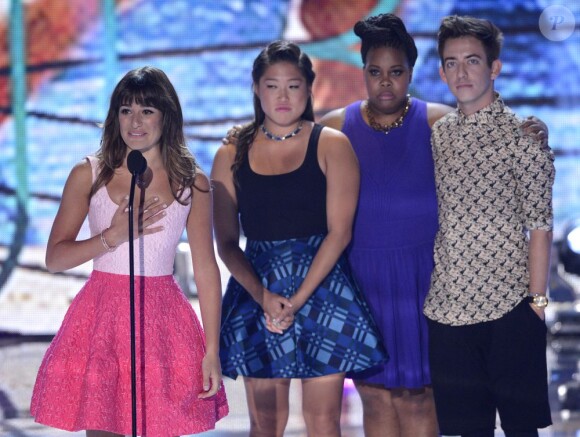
(534, 172)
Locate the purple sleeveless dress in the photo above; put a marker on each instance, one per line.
(391, 253)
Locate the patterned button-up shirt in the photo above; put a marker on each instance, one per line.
(493, 185)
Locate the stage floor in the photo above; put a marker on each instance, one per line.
(19, 363)
(34, 303)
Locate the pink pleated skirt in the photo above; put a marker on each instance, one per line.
(84, 381)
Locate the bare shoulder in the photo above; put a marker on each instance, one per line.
(334, 119)
(81, 173)
(336, 152)
(331, 136)
(224, 157)
(202, 181)
(78, 186)
(226, 152)
(435, 111)
(334, 144)
(221, 170)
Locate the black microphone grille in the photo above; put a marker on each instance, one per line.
(136, 162)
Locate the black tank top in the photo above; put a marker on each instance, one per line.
(289, 205)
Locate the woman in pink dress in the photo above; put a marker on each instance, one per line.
(84, 382)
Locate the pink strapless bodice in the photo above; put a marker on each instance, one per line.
(153, 254)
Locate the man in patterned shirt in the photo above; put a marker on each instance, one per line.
(485, 308)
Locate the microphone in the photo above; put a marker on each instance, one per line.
(136, 162)
(137, 165)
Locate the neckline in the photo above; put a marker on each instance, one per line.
(302, 163)
(360, 107)
(274, 137)
(110, 199)
(94, 165)
(483, 114)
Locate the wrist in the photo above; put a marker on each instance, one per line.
(260, 296)
(298, 300)
(539, 300)
(107, 243)
(212, 352)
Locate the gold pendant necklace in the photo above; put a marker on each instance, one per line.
(386, 128)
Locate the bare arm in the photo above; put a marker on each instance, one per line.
(63, 250)
(226, 224)
(334, 119)
(540, 247)
(339, 163)
(227, 231)
(435, 111)
(207, 280)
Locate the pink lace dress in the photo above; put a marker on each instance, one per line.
(84, 381)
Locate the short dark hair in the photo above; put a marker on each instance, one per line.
(455, 26)
(385, 30)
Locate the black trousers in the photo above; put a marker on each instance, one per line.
(484, 368)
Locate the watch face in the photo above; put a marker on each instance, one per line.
(540, 301)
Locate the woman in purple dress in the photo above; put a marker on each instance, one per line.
(391, 253)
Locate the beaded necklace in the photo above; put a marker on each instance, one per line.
(284, 137)
(386, 128)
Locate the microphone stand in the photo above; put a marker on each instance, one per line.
(132, 310)
(136, 164)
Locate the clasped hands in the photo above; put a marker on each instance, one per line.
(278, 311)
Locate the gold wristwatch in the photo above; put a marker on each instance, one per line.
(539, 300)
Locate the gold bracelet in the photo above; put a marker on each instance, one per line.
(104, 241)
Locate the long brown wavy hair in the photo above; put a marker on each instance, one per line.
(276, 51)
(148, 86)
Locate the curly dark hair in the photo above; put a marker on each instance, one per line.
(385, 30)
(148, 86)
(276, 51)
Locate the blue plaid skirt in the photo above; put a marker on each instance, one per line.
(333, 332)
